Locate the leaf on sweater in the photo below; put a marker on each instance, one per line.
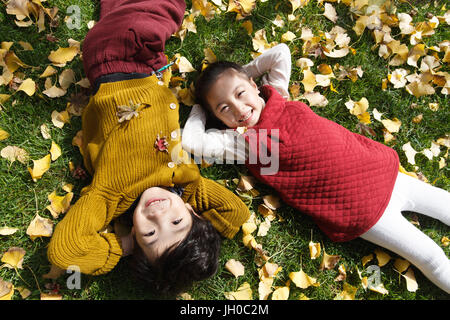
(13, 258)
(40, 227)
(40, 167)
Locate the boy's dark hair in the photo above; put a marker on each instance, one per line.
(194, 259)
(179, 266)
(206, 80)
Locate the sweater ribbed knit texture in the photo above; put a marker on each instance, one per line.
(343, 180)
(124, 162)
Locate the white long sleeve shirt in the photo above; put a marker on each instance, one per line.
(213, 145)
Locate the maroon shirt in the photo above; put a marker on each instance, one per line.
(343, 180)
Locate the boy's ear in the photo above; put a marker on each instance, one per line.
(191, 210)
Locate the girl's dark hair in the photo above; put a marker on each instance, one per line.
(204, 83)
(179, 266)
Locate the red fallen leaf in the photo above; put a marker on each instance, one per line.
(161, 144)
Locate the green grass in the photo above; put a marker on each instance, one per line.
(287, 241)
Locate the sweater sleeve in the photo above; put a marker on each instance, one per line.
(219, 205)
(277, 63)
(216, 144)
(77, 240)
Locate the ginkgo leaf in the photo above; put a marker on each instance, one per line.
(184, 65)
(244, 292)
(315, 99)
(3, 135)
(60, 118)
(6, 290)
(411, 283)
(13, 258)
(7, 231)
(401, 264)
(54, 92)
(55, 151)
(40, 167)
(309, 80)
(272, 202)
(366, 259)
(288, 36)
(281, 294)
(302, 280)
(59, 204)
(392, 125)
(40, 227)
(45, 131)
(348, 292)
(265, 288)
(329, 261)
(66, 78)
(63, 55)
(49, 71)
(264, 227)
(13, 62)
(314, 250)
(382, 257)
(13, 153)
(330, 12)
(235, 267)
(28, 86)
(410, 153)
(246, 183)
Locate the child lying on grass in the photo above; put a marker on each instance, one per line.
(130, 128)
(349, 184)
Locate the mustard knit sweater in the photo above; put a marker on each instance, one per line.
(124, 162)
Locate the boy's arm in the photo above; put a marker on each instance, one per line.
(219, 205)
(221, 144)
(277, 63)
(77, 240)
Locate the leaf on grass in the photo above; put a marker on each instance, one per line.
(49, 71)
(302, 280)
(13, 258)
(60, 118)
(54, 273)
(281, 294)
(62, 55)
(382, 257)
(3, 135)
(6, 290)
(411, 283)
(235, 267)
(13, 153)
(40, 227)
(59, 204)
(410, 153)
(55, 151)
(28, 86)
(244, 292)
(329, 261)
(315, 99)
(314, 250)
(45, 131)
(330, 12)
(348, 292)
(401, 265)
(7, 231)
(40, 167)
(54, 92)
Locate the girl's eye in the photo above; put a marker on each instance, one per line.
(241, 93)
(224, 109)
(177, 221)
(149, 234)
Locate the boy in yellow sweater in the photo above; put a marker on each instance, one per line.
(131, 143)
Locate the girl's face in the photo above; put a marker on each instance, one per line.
(160, 220)
(234, 99)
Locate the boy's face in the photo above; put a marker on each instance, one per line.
(234, 99)
(160, 220)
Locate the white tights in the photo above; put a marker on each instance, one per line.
(398, 235)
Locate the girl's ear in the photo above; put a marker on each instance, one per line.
(253, 84)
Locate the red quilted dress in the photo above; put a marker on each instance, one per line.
(343, 180)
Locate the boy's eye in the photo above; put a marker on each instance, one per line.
(151, 233)
(177, 221)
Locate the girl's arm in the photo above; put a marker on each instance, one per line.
(217, 144)
(277, 63)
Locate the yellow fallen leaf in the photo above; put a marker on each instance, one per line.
(45, 131)
(235, 267)
(244, 292)
(49, 71)
(3, 135)
(246, 183)
(24, 292)
(13, 153)
(54, 92)
(3, 98)
(329, 261)
(382, 257)
(264, 227)
(288, 36)
(330, 12)
(14, 257)
(55, 151)
(411, 283)
(13, 62)
(7, 231)
(6, 290)
(40, 167)
(281, 294)
(302, 280)
(50, 296)
(445, 241)
(40, 227)
(314, 249)
(419, 89)
(379, 289)
(272, 202)
(410, 153)
(247, 25)
(60, 118)
(348, 292)
(59, 204)
(269, 270)
(265, 288)
(309, 80)
(392, 125)
(342, 273)
(366, 259)
(184, 65)
(63, 55)
(54, 273)
(28, 86)
(401, 265)
(248, 228)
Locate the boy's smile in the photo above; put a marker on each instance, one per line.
(234, 99)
